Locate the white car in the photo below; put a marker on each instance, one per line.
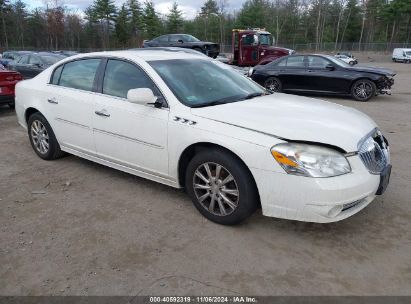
(401, 55)
(346, 59)
(192, 122)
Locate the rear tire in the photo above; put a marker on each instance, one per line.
(363, 90)
(42, 138)
(273, 84)
(221, 187)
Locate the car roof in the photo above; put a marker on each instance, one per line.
(150, 54)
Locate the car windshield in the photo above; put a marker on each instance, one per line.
(408, 53)
(51, 59)
(265, 39)
(338, 61)
(201, 83)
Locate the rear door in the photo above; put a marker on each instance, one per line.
(292, 73)
(70, 102)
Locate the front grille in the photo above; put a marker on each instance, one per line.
(374, 152)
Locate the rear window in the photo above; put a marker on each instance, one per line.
(79, 74)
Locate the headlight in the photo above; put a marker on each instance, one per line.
(310, 160)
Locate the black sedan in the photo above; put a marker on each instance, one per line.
(323, 74)
(184, 41)
(29, 65)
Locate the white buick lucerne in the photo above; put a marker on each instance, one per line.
(191, 122)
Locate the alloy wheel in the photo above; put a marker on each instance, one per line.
(40, 137)
(273, 85)
(216, 189)
(363, 90)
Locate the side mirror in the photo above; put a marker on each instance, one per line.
(141, 96)
(181, 41)
(330, 67)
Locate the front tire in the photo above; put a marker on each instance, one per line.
(273, 84)
(363, 90)
(221, 187)
(42, 138)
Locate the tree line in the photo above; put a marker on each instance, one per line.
(103, 25)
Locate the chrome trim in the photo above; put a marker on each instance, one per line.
(375, 154)
(349, 154)
(135, 170)
(72, 123)
(128, 138)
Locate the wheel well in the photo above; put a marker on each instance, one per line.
(29, 112)
(355, 80)
(192, 150)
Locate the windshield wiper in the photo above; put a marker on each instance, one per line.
(213, 103)
(252, 95)
(227, 100)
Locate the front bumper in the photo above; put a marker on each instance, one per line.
(320, 200)
(384, 85)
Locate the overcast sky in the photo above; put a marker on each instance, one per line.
(189, 7)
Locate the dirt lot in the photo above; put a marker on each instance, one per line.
(72, 227)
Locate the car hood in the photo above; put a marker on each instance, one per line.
(376, 70)
(294, 118)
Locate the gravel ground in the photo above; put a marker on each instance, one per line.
(73, 227)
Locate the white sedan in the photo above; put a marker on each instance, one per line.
(346, 59)
(192, 122)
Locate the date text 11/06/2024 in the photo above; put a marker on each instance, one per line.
(203, 299)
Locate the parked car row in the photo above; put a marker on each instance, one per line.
(188, 121)
(18, 65)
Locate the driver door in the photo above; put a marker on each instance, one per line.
(125, 133)
(323, 79)
(248, 50)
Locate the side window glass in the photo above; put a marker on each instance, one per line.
(317, 62)
(283, 63)
(56, 75)
(23, 59)
(175, 38)
(34, 60)
(296, 62)
(79, 74)
(121, 76)
(248, 40)
(162, 38)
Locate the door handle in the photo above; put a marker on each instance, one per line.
(52, 100)
(102, 113)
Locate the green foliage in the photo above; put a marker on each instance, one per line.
(103, 25)
(123, 32)
(175, 19)
(152, 24)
